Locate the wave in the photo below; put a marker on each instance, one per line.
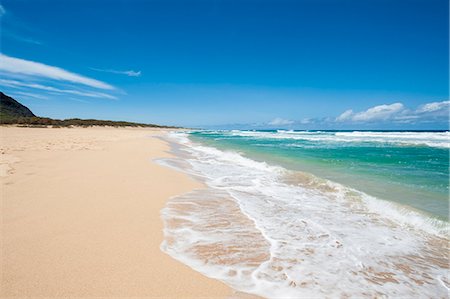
(265, 230)
(431, 139)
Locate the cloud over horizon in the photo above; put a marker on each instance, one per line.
(280, 122)
(434, 107)
(379, 115)
(398, 113)
(376, 113)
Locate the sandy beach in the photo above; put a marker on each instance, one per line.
(80, 216)
(191, 149)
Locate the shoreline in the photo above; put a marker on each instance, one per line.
(326, 228)
(81, 216)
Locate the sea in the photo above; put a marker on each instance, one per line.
(314, 214)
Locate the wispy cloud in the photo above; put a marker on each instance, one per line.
(306, 121)
(21, 38)
(280, 122)
(30, 95)
(434, 107)
(91, 94)
(78, 100)
(346, 115)
(10, 26)
(129, 73)
(21, 66)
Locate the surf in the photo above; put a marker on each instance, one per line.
(266, 230)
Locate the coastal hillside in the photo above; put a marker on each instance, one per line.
(10, 108)
(14, 113)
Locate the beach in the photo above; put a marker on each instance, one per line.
(224, 149)
(134, 212)
(267, 226)
(80, 216)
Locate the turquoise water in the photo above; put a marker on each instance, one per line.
(410, 168)
(281, 215)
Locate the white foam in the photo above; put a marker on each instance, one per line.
(431, 139)
(318, 239)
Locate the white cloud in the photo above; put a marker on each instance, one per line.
(78, 100)
(29, 94)
(31, 68)
(2, 10)
(280, 122)
(381, 112)
(129, 73)
(345, 115)
(91, 94)
(24, 39)
(398, 113)
(434, 107)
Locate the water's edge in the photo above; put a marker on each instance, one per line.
(218, 234)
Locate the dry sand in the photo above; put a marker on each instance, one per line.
(80, 216)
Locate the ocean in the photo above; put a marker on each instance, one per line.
(304, 214)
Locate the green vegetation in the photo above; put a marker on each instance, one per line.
(14, 113)
(44, 121)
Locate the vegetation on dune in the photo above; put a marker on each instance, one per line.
(44, 121)
(14, 113)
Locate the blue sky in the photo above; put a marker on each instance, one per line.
(289, 64)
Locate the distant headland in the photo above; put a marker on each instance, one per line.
(14, 113)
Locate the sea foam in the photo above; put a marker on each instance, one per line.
(276, 233)
(431, 139)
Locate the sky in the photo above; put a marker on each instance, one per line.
(305, 64)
